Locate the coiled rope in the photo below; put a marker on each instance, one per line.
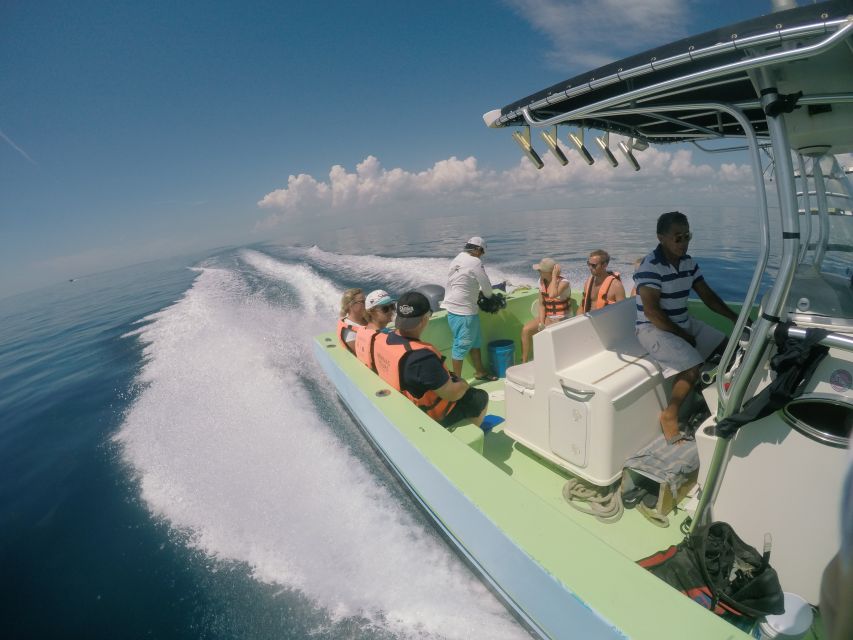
(604, 503)
(657, 519)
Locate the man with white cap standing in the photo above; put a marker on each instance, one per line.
(466, 278)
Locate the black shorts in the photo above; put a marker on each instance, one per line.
(468, 406)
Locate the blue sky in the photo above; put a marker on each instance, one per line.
(138, 130)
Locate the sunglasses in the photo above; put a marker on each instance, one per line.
(386, 308)
(682, 237)
(593, 265)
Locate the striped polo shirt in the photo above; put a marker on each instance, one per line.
(673, 281)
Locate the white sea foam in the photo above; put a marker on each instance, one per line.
(228, 445)
(399, 273)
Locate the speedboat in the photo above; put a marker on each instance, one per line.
(779, 87)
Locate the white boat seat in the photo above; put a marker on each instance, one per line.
(522, 375)
(590, 398)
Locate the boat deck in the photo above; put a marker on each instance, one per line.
(633, 536)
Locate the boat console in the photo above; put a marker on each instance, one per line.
(591, 397)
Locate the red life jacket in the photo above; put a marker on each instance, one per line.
(364, 342)
(601, 300)
(389, 360)
(343, 325)
(554, 306)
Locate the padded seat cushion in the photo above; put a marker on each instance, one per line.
(522, 374)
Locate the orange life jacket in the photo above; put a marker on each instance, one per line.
(364, 341)
(554, 306)
(343, 326)
(601, 301)
(389, 360)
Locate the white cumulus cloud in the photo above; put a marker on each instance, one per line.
(644, 22)
(463, 182)
(372, 184)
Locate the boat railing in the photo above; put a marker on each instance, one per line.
(836, 340)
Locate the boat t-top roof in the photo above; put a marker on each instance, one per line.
(647, 96)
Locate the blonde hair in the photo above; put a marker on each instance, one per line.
(346, 300)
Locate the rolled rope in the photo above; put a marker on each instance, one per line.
(604, 503)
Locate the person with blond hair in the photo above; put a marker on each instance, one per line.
(352, 316)
(555, 303)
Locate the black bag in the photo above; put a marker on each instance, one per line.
(493, 304)
(794, 363)
(717, 569)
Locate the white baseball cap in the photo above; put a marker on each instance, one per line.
(477, 241)
(377, 298)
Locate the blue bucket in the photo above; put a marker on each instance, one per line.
(501, 356)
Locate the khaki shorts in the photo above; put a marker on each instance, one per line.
(675, 354)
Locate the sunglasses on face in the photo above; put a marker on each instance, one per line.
(358, 301)
(386, 308)
(682, 237)
(593, 265)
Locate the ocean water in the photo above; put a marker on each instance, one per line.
(174, 465)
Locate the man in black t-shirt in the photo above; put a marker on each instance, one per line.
(423, 370)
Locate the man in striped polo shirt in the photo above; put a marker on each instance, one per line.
(678, 342)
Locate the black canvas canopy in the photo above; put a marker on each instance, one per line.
(715, 66)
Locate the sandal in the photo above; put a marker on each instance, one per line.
(486, 377)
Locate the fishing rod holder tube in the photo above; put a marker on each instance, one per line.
(604, 144)
(629, 155)
(551, 139)
(523, 139)
(577, 140)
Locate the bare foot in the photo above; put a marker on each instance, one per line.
(669, 426)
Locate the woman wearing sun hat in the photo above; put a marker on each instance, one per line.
(554, 303)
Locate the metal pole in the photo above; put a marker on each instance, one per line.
(770, 313)
(822, 211)
(806, 224)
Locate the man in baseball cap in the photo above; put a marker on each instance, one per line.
(466, 278)
(415, 368)
(476, 242)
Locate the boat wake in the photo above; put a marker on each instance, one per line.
(234, 439)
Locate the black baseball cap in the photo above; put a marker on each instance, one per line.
(412, 305)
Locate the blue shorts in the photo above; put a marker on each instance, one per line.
(466, 334)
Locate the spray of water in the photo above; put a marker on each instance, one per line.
(228, 444)
(399, 273)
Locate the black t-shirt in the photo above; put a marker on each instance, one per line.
(422, 369)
